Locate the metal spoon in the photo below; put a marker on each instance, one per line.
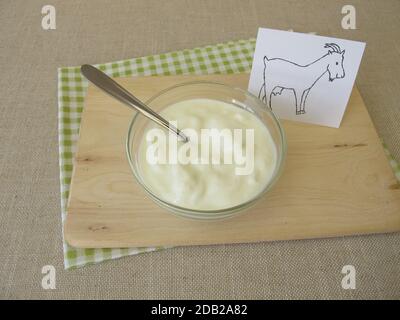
(108, 85)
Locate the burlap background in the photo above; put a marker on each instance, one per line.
(101, 31)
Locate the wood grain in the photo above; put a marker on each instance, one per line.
(336, 182)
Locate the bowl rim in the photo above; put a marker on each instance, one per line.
(218, 213)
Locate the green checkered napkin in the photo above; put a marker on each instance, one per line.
(230, 57)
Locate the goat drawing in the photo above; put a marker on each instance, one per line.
(301, 78)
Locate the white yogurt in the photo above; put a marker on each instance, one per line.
(210, 186)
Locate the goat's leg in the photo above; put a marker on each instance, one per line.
(261, 94)
(296, 102)
(303, 102)
(268, 95)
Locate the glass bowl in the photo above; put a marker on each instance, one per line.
(209, 90)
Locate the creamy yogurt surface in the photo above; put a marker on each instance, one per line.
(205, 185)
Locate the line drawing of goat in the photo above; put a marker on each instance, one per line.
(331, 63)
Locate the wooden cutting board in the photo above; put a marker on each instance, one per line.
(336, 182)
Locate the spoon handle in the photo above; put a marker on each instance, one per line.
(108, 85)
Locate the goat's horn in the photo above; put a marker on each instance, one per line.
(337, 47)
(334, 46)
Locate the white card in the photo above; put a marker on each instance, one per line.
(305, 77)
